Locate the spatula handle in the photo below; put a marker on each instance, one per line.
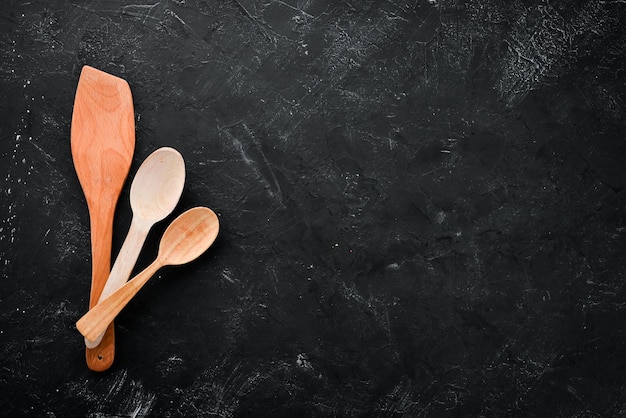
(101, 357)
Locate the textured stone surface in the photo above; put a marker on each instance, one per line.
(422, 208)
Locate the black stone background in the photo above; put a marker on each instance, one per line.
(422, 208)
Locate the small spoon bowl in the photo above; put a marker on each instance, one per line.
(188, 236)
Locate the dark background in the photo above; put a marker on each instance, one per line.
(422, 208)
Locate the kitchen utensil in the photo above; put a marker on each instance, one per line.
(102, 142)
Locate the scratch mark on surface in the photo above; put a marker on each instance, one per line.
(162, 17)
(539, 53)
(139, 403)
(262, 172)
(227, 275)
(118, 382)
(70, 235)
(293, 8)
(370, 305)
(256, 21)
(48, 156)
(399, 401)
(218, 391)
(142, 11)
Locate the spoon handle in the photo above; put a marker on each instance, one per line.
(124, 263)
(96, 321)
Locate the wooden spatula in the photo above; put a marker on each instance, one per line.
(103, 142)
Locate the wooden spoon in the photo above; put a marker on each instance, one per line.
(103, 142)
(188, 236)
(154, 193)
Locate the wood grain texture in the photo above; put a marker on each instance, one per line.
(102, 142)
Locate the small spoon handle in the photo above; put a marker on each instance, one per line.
(127, 257)
(124, 263)
(96, 321)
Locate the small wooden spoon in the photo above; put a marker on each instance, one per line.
(154, 193)
(103, 142)
(188, 236)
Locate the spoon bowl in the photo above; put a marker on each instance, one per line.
(156, 189)
(187, 239)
